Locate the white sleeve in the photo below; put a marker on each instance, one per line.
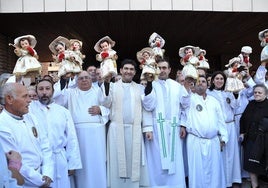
(72, 147)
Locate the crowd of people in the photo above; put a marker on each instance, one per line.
(88, 130)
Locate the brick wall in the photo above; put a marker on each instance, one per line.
(7, 56)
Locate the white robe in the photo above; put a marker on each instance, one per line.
(165, 161)
(5, 175)
(232, 164)
(17, 135)
(91, 135)
(130, 91)
(260, 76)
(58, 124)
(203, 145)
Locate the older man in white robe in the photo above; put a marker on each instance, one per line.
(168, 100)
(57, 123)
(89, 119)
(19, 131)
(206, 133)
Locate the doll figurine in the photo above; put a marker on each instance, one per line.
(189, 61)
(27, 65)
(107, 56)
(263, 36)
(203, 62)
(70, 62)
(234, 76)
(76, 46)
(147, 63)
(156, 42)
(244, 57)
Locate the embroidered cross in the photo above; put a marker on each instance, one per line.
(160, 120)
(173, 125)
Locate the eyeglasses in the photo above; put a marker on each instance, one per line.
(83, 77)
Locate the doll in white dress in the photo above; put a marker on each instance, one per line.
(189, 61)
(107, 56)
(70, 62)
(244, 57)
(156, 42)
(76, 46)
(263, 36)
(27, 64)
(147, 63)
(234, 76)
(203, 62)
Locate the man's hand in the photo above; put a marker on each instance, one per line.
(149, 77)
(108, 78)
(149, 135)
(14, 160)
(71, 172)
(47, 181)
(222, 145)
(182, 132)
(94, 110)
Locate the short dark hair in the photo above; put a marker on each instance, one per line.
(128, 61)
(162, 59)
(48, 80)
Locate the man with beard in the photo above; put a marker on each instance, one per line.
(57, 123)
(203, 143)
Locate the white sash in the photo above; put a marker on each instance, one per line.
(136, 128)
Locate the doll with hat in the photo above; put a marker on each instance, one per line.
(107, 56)
(70, 62)
(263, 37)
(147, 63)
(156, 42)
(203, 62)
(244, 57)
(27, 64)
(76, 46)
(189, 61)
(234, 75)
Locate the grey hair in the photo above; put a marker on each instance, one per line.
(76, 77)
(4, 77)
(261, 86)
(5, 90)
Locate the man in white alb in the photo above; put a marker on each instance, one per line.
(89, 118)
(58, 124)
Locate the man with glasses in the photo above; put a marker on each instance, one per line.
(89, 119)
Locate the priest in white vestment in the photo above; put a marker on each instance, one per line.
(126, 157)
(89, 118)
(19, 131)
(206, 130)
(168, 100)
(58, 124)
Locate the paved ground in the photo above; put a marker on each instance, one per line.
(246, 184)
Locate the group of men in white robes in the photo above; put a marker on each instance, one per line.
(144, 136)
